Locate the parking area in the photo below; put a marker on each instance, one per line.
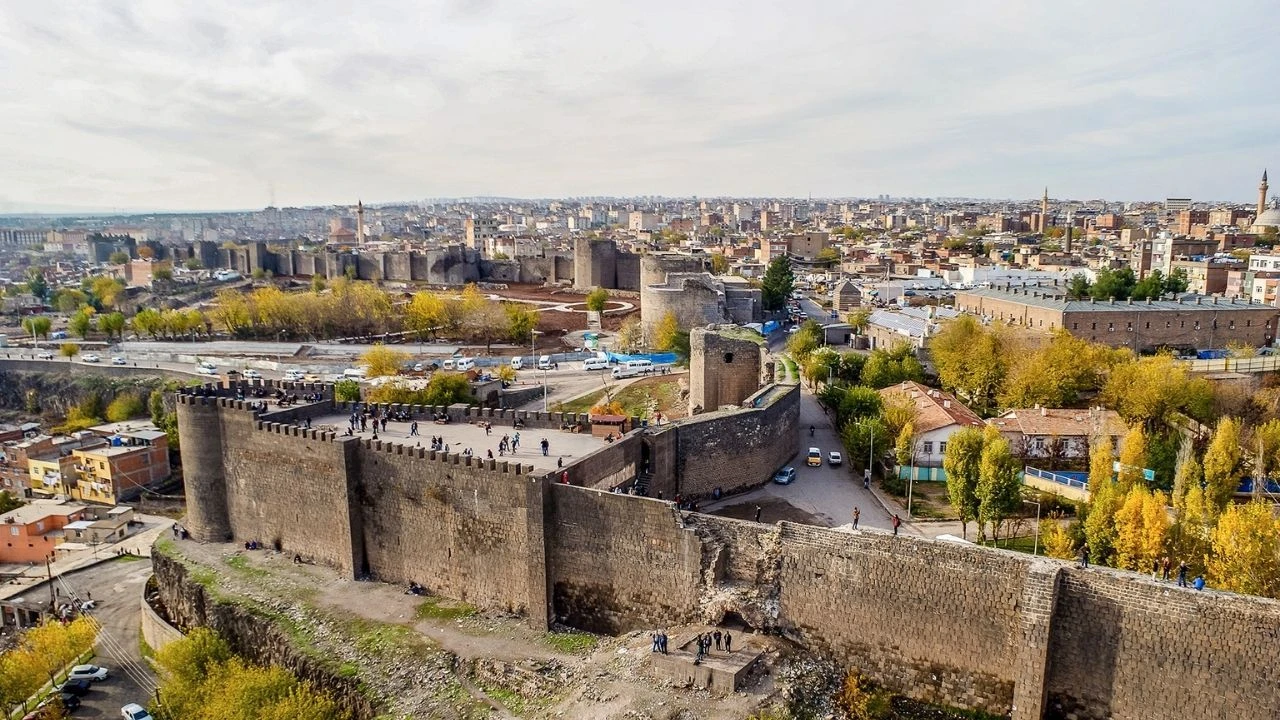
(458, 437)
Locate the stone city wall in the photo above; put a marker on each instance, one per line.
(948, 623)
(738, 449)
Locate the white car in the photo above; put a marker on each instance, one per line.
(118, 360)
(134, 711)
(834, 458)
(418, 367)
(45, 356)
(203, 370)
(293, 375)
(252, 374)
(93, 673)
(90, 358)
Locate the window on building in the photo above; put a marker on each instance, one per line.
(1232, 325)
(1111, 327)
(928, 448)
(1129, 327)
(13, 530)
(1197, 325)
(1215, 323)
(1075, 326)
(1168, 324)
(1093, 326)
(942, 447)
(1182, 323)
(1148, 327)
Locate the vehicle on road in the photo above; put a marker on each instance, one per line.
(90, 358)
(631, 368)
(785, 476)
(208, 364)
(595, 363)
(814, 459)
(119, 360)
(312, 377)
(465, 364)
(544, 362)
(75, 687)
(134, 711)
(419, 367)
(206, 370)
(252, 374)
(357, 373)
(834, 459)
(88, 672)
(44, 356)
(517, 363)
(293, 375)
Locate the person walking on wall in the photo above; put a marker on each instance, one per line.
(546, 445)
(717, 636)
(857, 514)
(757, 513)
(1084, 556)
(1182, 574)
(1164, 567)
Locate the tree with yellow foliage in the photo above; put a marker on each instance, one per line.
(1099, 525)
(41, 653)
(667, 334)
(1223, 464)
(426, 314)
(381, 360)
(1246, 550)
(1055, 538)
(1133, 458)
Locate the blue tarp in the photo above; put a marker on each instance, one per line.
(655, 358)
(770, 326)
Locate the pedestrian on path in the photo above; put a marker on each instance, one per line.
(545, 446)
(1182, 574)
(857, 514)
(728, 642)
(896, 522)
(757, 513)
(1084, 557)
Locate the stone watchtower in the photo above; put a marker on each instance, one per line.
(724, 367)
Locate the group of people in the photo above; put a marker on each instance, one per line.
(1160, 570)
(705, 640)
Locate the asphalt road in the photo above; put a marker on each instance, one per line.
(116, 587)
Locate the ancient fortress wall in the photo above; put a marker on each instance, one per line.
(737, 449)
(951, 623)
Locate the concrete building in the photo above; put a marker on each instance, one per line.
(1207, 276)
(478, 231)
(120, 470)
(638, 220)
(939, 415)
(846, 296)
(1190, 322)
(33, 532)
(1058, 434)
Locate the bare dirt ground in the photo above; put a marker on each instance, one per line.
(433, 658)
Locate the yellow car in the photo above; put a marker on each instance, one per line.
(815, 458)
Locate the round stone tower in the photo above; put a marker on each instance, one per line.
(200, 427)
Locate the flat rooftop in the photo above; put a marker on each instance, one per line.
(39, 510)
(1054, 297)
(459, 436)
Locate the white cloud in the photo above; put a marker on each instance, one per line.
(163, 103)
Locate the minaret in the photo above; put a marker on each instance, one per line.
(360, 222)
(1262, 195)
(1044, 210)
(1066, 237)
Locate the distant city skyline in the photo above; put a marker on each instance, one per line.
(233, 104)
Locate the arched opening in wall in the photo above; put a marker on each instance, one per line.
(733, 620)
(277, 544)
(728, 358)
(646, 457)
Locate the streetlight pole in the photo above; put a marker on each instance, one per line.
(1035, 543)
(544, 389)
(911, 478)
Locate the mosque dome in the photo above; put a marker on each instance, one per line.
(1269, 217)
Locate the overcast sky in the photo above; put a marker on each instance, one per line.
(218, 103)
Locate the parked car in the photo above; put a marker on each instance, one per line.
(203, 370)
(88, 672)
(293, 375)
(814, 458)
(90, 358)
(45, 355)
(834, 459)
(418, 367)
(75, 687)
(134, 711)
(119, 360)
(785, 476)
(252, 374)
(517, 363)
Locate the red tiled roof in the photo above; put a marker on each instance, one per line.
(934, 408)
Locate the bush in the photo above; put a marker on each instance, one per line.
(125, 406)
(346, 391)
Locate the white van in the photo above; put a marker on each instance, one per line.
(595, 363)
(449, 364)
(356, 373)
(293, 375)
(544, 362)
(517, 363)
(465, 364)
(631, 368)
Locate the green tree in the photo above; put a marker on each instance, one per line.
(37, 285)
(68, 350)
(1099, 524)
(148, 321)
(865, 439)
(827, 256)
(112, 324)
(804, 341)
(1223, 465)
(777, 284)
(630, 336)
(999, 488)
(346, 391)
(106, 291)
(156, 406)
(81, 323)
(596, 299)
(890, 367)
(521, 320)
(962, 462)
(1246, 550)
(904, 449)
(1057, 374)
(859, 320)
(1177, 281)
(118, 257)
(69, 299)
(125, 406)
(37, 326)
(719, 264)
(427, 314)
(193, 263)
(1151, 286)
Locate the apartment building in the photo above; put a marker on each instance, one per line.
(33, 532)
(122, 468)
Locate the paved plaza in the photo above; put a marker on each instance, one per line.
(458, 436)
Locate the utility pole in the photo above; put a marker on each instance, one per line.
(48, 570)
